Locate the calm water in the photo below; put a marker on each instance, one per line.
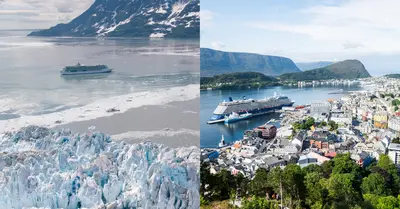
(211, 134)
(31, 84)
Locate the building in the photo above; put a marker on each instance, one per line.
(320, 108)
(394, 153)
(268, 131)
(394, 124)
(320, 111)
(311, 158)
(363, 159)
(340, 117)
(321, 139)
(380, 119)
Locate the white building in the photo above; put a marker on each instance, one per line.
(394, 124)
(394, 153)
(341, 117)
(320, 108)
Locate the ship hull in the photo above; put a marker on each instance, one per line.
(232, 120)
(254, 112)
(87, 72)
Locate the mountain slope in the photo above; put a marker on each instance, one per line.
(133, 18)
(348, 69)
(238, 80)
(312, 65)
(213, 62)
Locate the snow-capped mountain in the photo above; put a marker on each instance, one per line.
(43, 168)
(133, 18)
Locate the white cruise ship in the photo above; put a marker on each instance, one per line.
(253, 106)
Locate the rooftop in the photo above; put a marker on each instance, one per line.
(394, 146)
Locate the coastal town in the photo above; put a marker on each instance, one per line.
(365, 124)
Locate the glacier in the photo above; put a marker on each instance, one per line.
(46, 168)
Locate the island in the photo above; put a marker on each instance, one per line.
(239, 80)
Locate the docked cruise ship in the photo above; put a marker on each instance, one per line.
(253, 106)
(82, 69)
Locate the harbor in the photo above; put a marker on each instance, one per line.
(211, 133)
(361, 123)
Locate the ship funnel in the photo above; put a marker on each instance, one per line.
(230, 99)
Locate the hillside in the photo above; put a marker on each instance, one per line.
(392, 75)
(213, 62)
(348, 69)
(303, 66)
(127, 18)
(238, 81)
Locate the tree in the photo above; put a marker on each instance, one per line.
(327, 168)
(375, 184)
(259, 203)
(388, 202)
(241, 185)
(341, 189)
(387, 164)
(293, 184)
(224, 183)
(333, 126)
(344, 164)
(309, 122)
(205, 177)
(259, 184)
(312, 168)
(316, 193)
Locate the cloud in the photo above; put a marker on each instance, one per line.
(19, 14)
(218, 45)
(369, 26)
(206, 18)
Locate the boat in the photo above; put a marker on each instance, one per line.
(253, 106)
(83, 69)
(234, 117)
(222, 142)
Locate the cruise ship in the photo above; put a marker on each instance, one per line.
(253, 106)
(81, 69)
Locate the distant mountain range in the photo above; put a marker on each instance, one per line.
(214, 62)
(133, 18)
(312, 65)
(347, 69)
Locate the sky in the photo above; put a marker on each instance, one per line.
(39, 14)
(307, 30)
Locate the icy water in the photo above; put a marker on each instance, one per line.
(211, 133)
(31, 84)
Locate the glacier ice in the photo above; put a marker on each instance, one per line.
(45, 168)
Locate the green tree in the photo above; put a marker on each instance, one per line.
(275, 178)
(309, 122)
(259, 203)
(241, 185)
(316, 193)
(259, 184)
(375, 184)
(391, 175)
(224, 183)
(312, 168)
(205, 177)
(388, 202)
(333, 126)
(344, 164)
(293, 184)
(342, 190)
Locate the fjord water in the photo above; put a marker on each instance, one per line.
(211, 133)
(30, 67)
